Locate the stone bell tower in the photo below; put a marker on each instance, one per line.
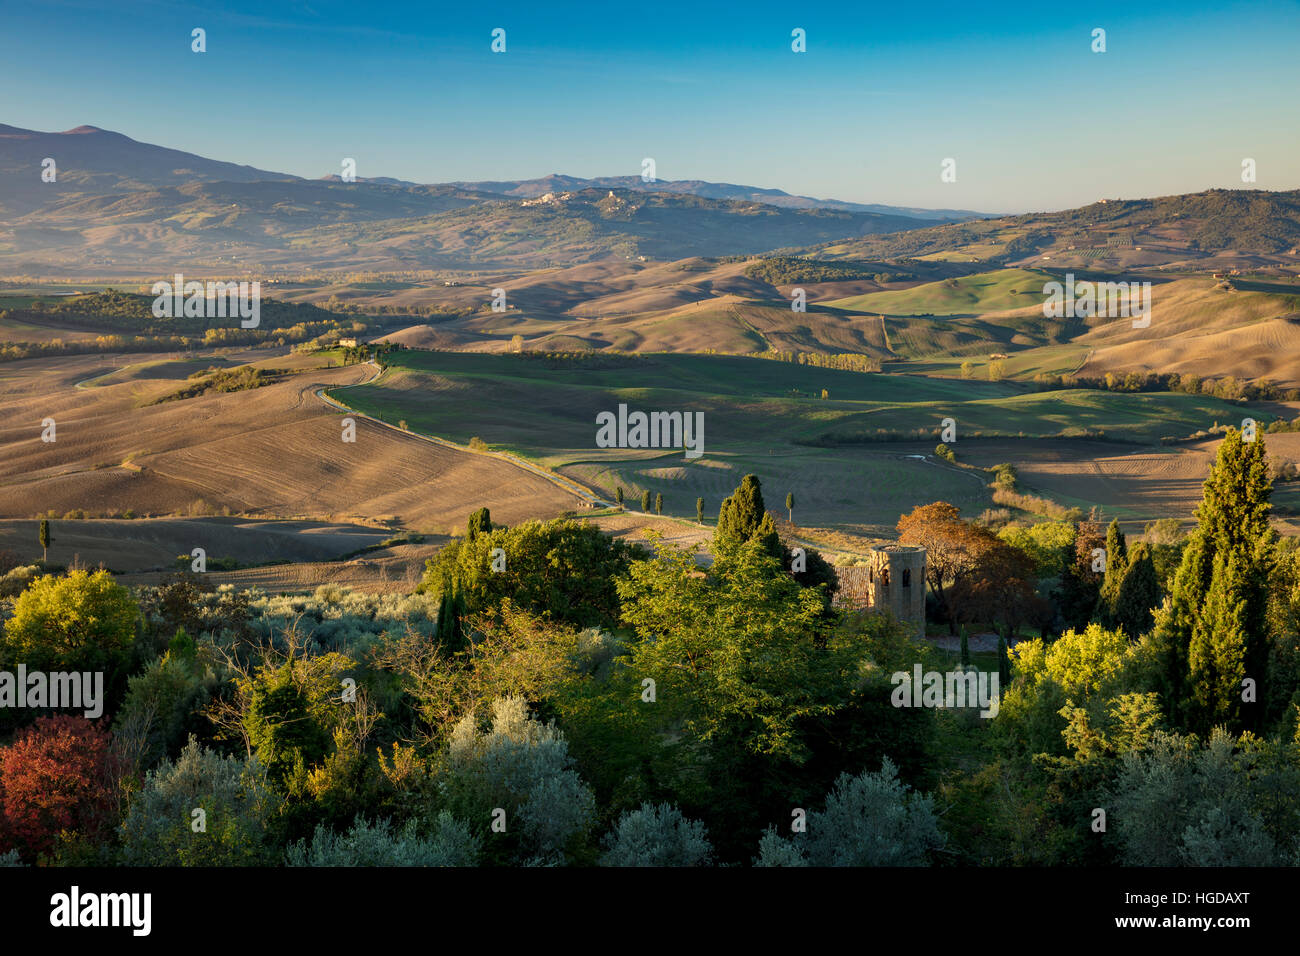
(896, 582)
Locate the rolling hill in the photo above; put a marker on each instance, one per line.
(1202, 231)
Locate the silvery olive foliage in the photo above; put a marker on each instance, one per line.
(872, 819)
(445, 842)
(339, 619)
(233, 795)
(1175, 804)
(656, 836)
(523, 767)
(596, 650)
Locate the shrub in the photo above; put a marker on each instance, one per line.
(160, 827)
(165, 702)
(520, 766)
(449, 844)
(656, 836)
(869, 820)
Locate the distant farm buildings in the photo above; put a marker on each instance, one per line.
(893, 579)
(347, 343)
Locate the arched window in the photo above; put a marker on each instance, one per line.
(884, 576)
(907, 577)
(871, 575)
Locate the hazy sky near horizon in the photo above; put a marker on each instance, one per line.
(711, 90)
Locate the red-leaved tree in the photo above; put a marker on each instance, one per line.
(55, 776)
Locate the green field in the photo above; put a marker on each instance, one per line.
(855, 460)
(967, 295)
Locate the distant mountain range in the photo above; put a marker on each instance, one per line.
(122, 205)
(532, 188)
(125, 208)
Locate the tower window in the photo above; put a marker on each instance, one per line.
(907, 577)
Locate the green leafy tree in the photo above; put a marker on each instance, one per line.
(736, 648)
(561, 568)
(1049, 543)
(1212, 631)
(1086, 668)
(81, 622)
(167, 698)
(281, 726)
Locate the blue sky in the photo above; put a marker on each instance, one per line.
(1013, 92)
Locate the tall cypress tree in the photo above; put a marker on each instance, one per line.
(1080, 584)
(1116, 566)
(480, 522)
(1138, 593)
(1004, 662)
(743, 512)
(449, 629)
(1211, 633)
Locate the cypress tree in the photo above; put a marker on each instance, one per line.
(659, 503)
(645, 502)
(789, 506)
(699, 510)
(1116, 565)
(742, 513)
(45, 539)
(1004, 662)
(1138, 593)
(1211, 631)
(480, 522)
(768, 537)
(618, 495)
(1080, 585)
(449, 630)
